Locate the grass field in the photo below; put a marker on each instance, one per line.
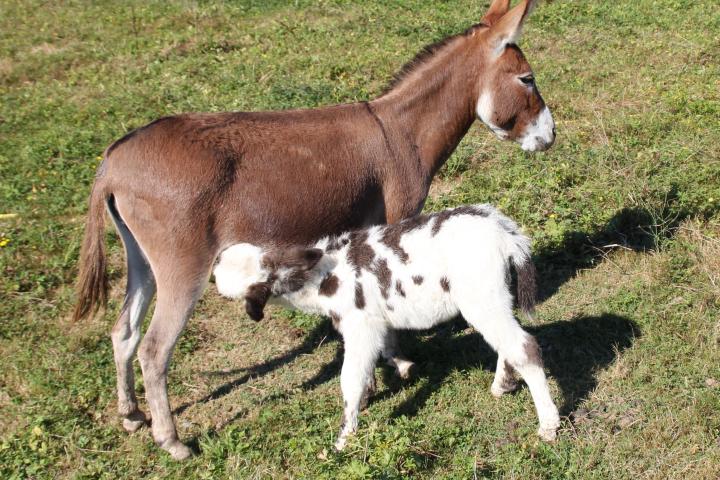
(624, 212)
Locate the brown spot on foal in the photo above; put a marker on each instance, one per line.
(393, 233)
(360, 254)
(335, 320)
(384, 276)
(359, 296)
(532, 352)
(445, 215)
(329, 285)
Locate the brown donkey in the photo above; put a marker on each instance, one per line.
(183, 188)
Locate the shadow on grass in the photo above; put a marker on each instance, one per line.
(636, 229)
(573, 352)
(321, 333)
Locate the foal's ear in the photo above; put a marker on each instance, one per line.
(507, 29)
(255, 300)
(497, 9)
(294, 258)
(299, 258)
(311, 257)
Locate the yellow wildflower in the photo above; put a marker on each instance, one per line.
(4, 241)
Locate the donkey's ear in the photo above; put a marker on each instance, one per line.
(508, 28)
(255, 300)
(497, 9)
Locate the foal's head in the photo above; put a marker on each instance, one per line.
(509, 102)
(248, 272)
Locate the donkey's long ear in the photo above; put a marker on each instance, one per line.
(508, 28)
(255, 300)
(497, 9)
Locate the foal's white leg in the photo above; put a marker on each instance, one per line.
(495, 321)
(363, 343)
(392, 355)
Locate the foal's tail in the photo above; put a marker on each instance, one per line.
(517, 247)
(92, 285)
(526, 284)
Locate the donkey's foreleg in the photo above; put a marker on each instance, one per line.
(362, 345)
(174, 306)
(394, 357)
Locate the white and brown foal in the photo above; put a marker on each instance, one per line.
(183, 188)
(411, 275)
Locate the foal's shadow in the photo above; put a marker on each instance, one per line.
(573, 352)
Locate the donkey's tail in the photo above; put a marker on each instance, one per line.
(92, 285)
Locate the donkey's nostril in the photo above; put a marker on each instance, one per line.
(553, 131)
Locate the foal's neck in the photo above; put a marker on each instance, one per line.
(432, 107)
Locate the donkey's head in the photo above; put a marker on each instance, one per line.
(509, 102)
(246, 271)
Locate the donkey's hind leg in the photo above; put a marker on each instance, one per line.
(126, 332)
(178, 288)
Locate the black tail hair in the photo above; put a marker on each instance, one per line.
(526, 286)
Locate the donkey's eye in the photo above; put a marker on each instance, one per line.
(528, 80)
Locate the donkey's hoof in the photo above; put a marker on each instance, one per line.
(134, 421)
(177, 449)
(500, 389)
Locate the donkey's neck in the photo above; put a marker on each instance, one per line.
(432, 107)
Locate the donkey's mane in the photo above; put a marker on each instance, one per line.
(424, 55)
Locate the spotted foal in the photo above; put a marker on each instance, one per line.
(411, 275)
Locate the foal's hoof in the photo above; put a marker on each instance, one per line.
(508, 386)
(134, 421)
(548, 433)
(404, 369)
(340, 444)
(177, 449)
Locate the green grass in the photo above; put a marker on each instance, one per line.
(624, 211)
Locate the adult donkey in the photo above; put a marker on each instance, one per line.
(183, 188)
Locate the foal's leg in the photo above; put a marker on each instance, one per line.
(126, 332)
(177, 293)
(394, 357)
(496, 323)
(362, 345)
(504, 381)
